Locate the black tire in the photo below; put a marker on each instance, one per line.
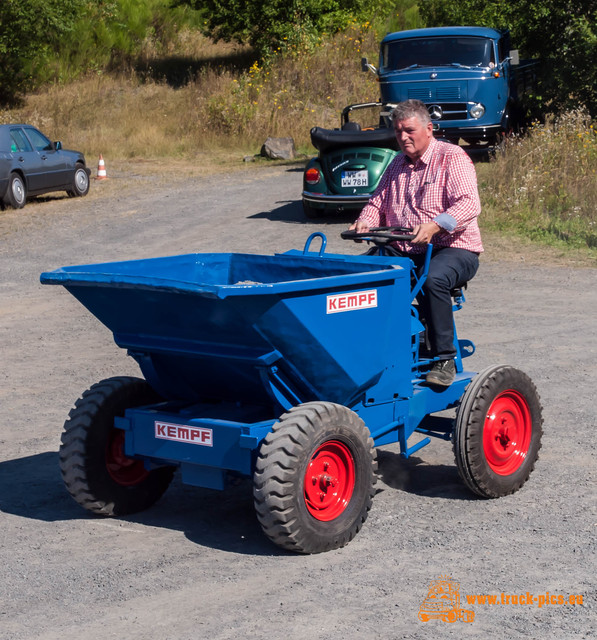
(80, 185)
(498, 431)
(16, 193)
(94, 468)
(312, 447)
(312, 212)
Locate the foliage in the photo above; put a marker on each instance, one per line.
(561, 33)
(29, 30)
(49, 40)
(275, 25)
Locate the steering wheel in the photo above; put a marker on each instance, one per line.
(379, 235)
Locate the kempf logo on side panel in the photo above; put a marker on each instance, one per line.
(351, 301)
(183, 433)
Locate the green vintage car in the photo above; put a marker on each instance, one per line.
(351, 160)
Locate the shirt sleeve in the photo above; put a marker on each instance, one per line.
(462, 194)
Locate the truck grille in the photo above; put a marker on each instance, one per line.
(453, 111)
(419, 93)
(434, 93)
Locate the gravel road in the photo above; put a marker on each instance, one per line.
(197, 565)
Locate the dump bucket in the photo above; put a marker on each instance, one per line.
(215, 326)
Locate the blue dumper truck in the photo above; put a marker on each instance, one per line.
(471, 81)
(256, 366)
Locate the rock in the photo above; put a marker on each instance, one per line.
(279, 148)
(249, 159)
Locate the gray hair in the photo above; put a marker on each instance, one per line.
(410, 109)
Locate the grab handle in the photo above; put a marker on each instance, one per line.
(324, 242)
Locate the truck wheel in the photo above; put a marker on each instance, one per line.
(16, 194)
(498, 431)
(314, 478)
(80, 185)
(95, 469)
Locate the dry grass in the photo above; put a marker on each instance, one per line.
(220, 107)
(544, 185)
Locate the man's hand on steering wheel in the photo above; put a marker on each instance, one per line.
(424, 232)
(359, 226)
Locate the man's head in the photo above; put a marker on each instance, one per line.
(413, 128)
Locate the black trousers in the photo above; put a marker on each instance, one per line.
(449, 268)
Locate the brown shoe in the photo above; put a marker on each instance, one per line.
(442, 373)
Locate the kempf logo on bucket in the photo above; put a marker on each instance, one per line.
(351, 301)
(183, 433)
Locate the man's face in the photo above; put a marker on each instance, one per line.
(413, 137)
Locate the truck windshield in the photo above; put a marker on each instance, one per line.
(437, 52)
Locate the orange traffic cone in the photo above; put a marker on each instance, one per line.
(101, 169)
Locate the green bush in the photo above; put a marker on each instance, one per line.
(30, 30)
(58, 40)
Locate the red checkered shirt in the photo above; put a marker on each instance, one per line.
(440, 187)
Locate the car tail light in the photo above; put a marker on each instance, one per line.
(312, 176)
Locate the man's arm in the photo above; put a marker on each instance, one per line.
(462, 194)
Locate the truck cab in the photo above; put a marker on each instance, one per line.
(467, 77)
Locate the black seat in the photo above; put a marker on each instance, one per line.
(331, 139)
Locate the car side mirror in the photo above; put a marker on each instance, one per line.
(58, 145)
(514, 57)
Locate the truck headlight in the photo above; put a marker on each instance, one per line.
(476, 111)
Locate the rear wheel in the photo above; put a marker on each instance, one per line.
(498, 431)
(80, 185)
(314, 478)
(16, 194)
(95, 469)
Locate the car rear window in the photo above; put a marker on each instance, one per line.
(18, 141)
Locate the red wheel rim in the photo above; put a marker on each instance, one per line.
(122, 469)
(329, 480)
(507, 432)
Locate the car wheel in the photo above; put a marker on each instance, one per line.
(80, 183)
(16, 194)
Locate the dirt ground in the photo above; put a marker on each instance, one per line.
(197, 565)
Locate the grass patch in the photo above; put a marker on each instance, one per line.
(543, 186)
(226, 102)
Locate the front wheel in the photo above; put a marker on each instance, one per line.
(95, 469)
(80, 186)
(498, 431)
(314, 478)
(16, 194)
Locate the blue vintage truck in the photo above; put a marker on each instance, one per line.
(470, 79)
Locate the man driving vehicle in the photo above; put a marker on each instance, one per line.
(432, 188)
